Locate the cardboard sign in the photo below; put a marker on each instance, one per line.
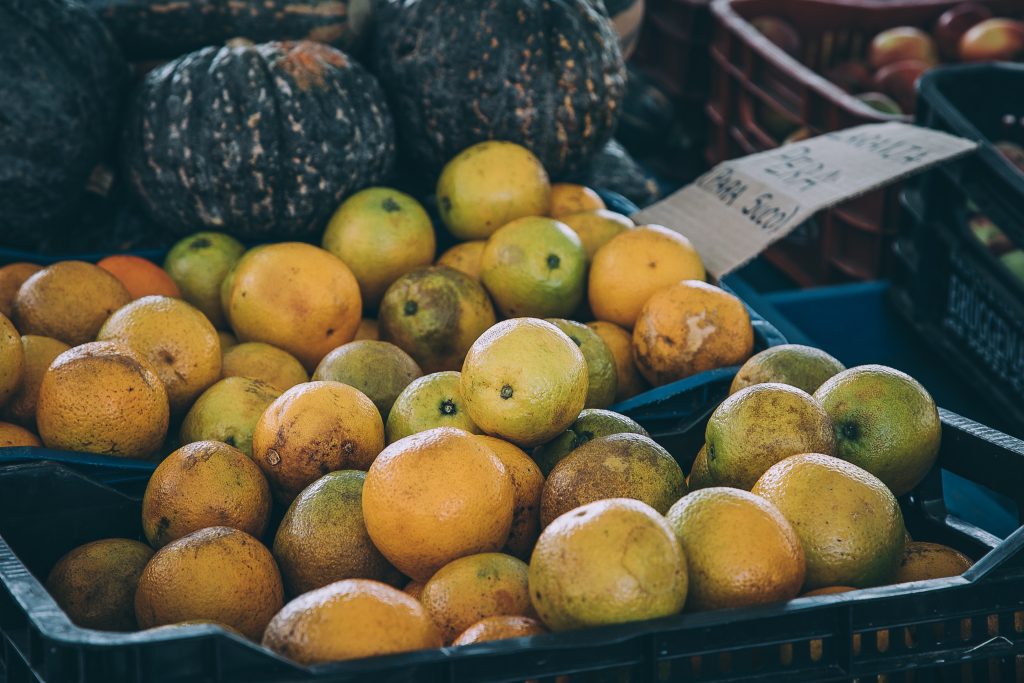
(738, 208)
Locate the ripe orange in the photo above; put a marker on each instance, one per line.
(12, 360)
(11, 278)
(527, 483)
(14, 435)
(630, 268)
(140, 276)
(568, 198)
(620, 343)
(597, 228)
(500, 628)
(264, 362)
(436, 496)
(39, 353)
(464, 257)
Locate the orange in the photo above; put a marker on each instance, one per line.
(323, 539)
(380, 234)
(500, 628)
(176, 338)
(140, 276)
(12, 360)
(104, 398)
(740, 550)
(39, 353)
(227, 341)
(630, 268)
(12, 276)
(14, 435)
(568, 198)
(95, 583)
(436, 496)
(527, 483)
(688, 328)
(218, 574)
(620, 343)
(464, 257)
(228, 412)
(470, 588)
(368, 329)
(295, 296)
(264, 362)
(349, 620)
(488, 185)
(923, 561)
(378, 369)
(202, 484)
(597, 228)
(198, 264)
(313, 429)
(68, 301)
(415, 588)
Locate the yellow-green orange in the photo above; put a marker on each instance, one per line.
(198, 264)
(323, 539)
(592, 423)
(758, 426)
(602, 377)
(803, 367)
(435, 315)
(12, 360)
(104, 398)
(39, 353)
(700, 477)
(428, 402)
(379, 369)
(524, 381)
(471, 588)
(616, 466)
(228, 412)
(350, 619)
(854, 535)
(488, 185)
(380, 234)
(534, 266)
(740, 550)
(203, 484)
(95, 583)
(609, 562)
(264, 362)
(596, 228)
(527, 485)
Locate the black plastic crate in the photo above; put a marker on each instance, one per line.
(944, 629)
(954, 290)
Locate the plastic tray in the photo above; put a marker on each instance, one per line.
(968, 625)
(751, 75)
(965, 303)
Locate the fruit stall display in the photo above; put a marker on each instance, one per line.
(787, 69)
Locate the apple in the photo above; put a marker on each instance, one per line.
(993, 40)
(954, 23)
(781, 33)
(853, 77)
(900, 44)
(898, 80)
(880, 102)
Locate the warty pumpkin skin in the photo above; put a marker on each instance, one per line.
(260, 141)
(164, 29)
(547, 74)
(62, 84)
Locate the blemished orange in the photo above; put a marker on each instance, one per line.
(528, 483)
(569, 198)
(500, 628)
(350, 619)
(141, 277)
(102, 397)
(470, 588)
(39, 353)
(218, 574)
(436, 496)
(369, 328)
(620, 343)
(464, 257)
(295, 296)
(264, 362)
(312, 429)
(11, 278)
(68, 301)
(12, 360)
(176, 338)
(16, 435)
(649, 259)
(688, 328)
(203, 484)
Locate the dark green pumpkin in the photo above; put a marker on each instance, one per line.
(261, 141)
(547, 74)
(62, 80)
(164, 29)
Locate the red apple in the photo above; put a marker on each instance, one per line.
(780, 32)
(993, 40)
(898, 81)
(954, 23)
(900, 44)
(853, 77)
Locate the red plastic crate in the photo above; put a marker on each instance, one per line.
(673, 48)
(751, 76)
